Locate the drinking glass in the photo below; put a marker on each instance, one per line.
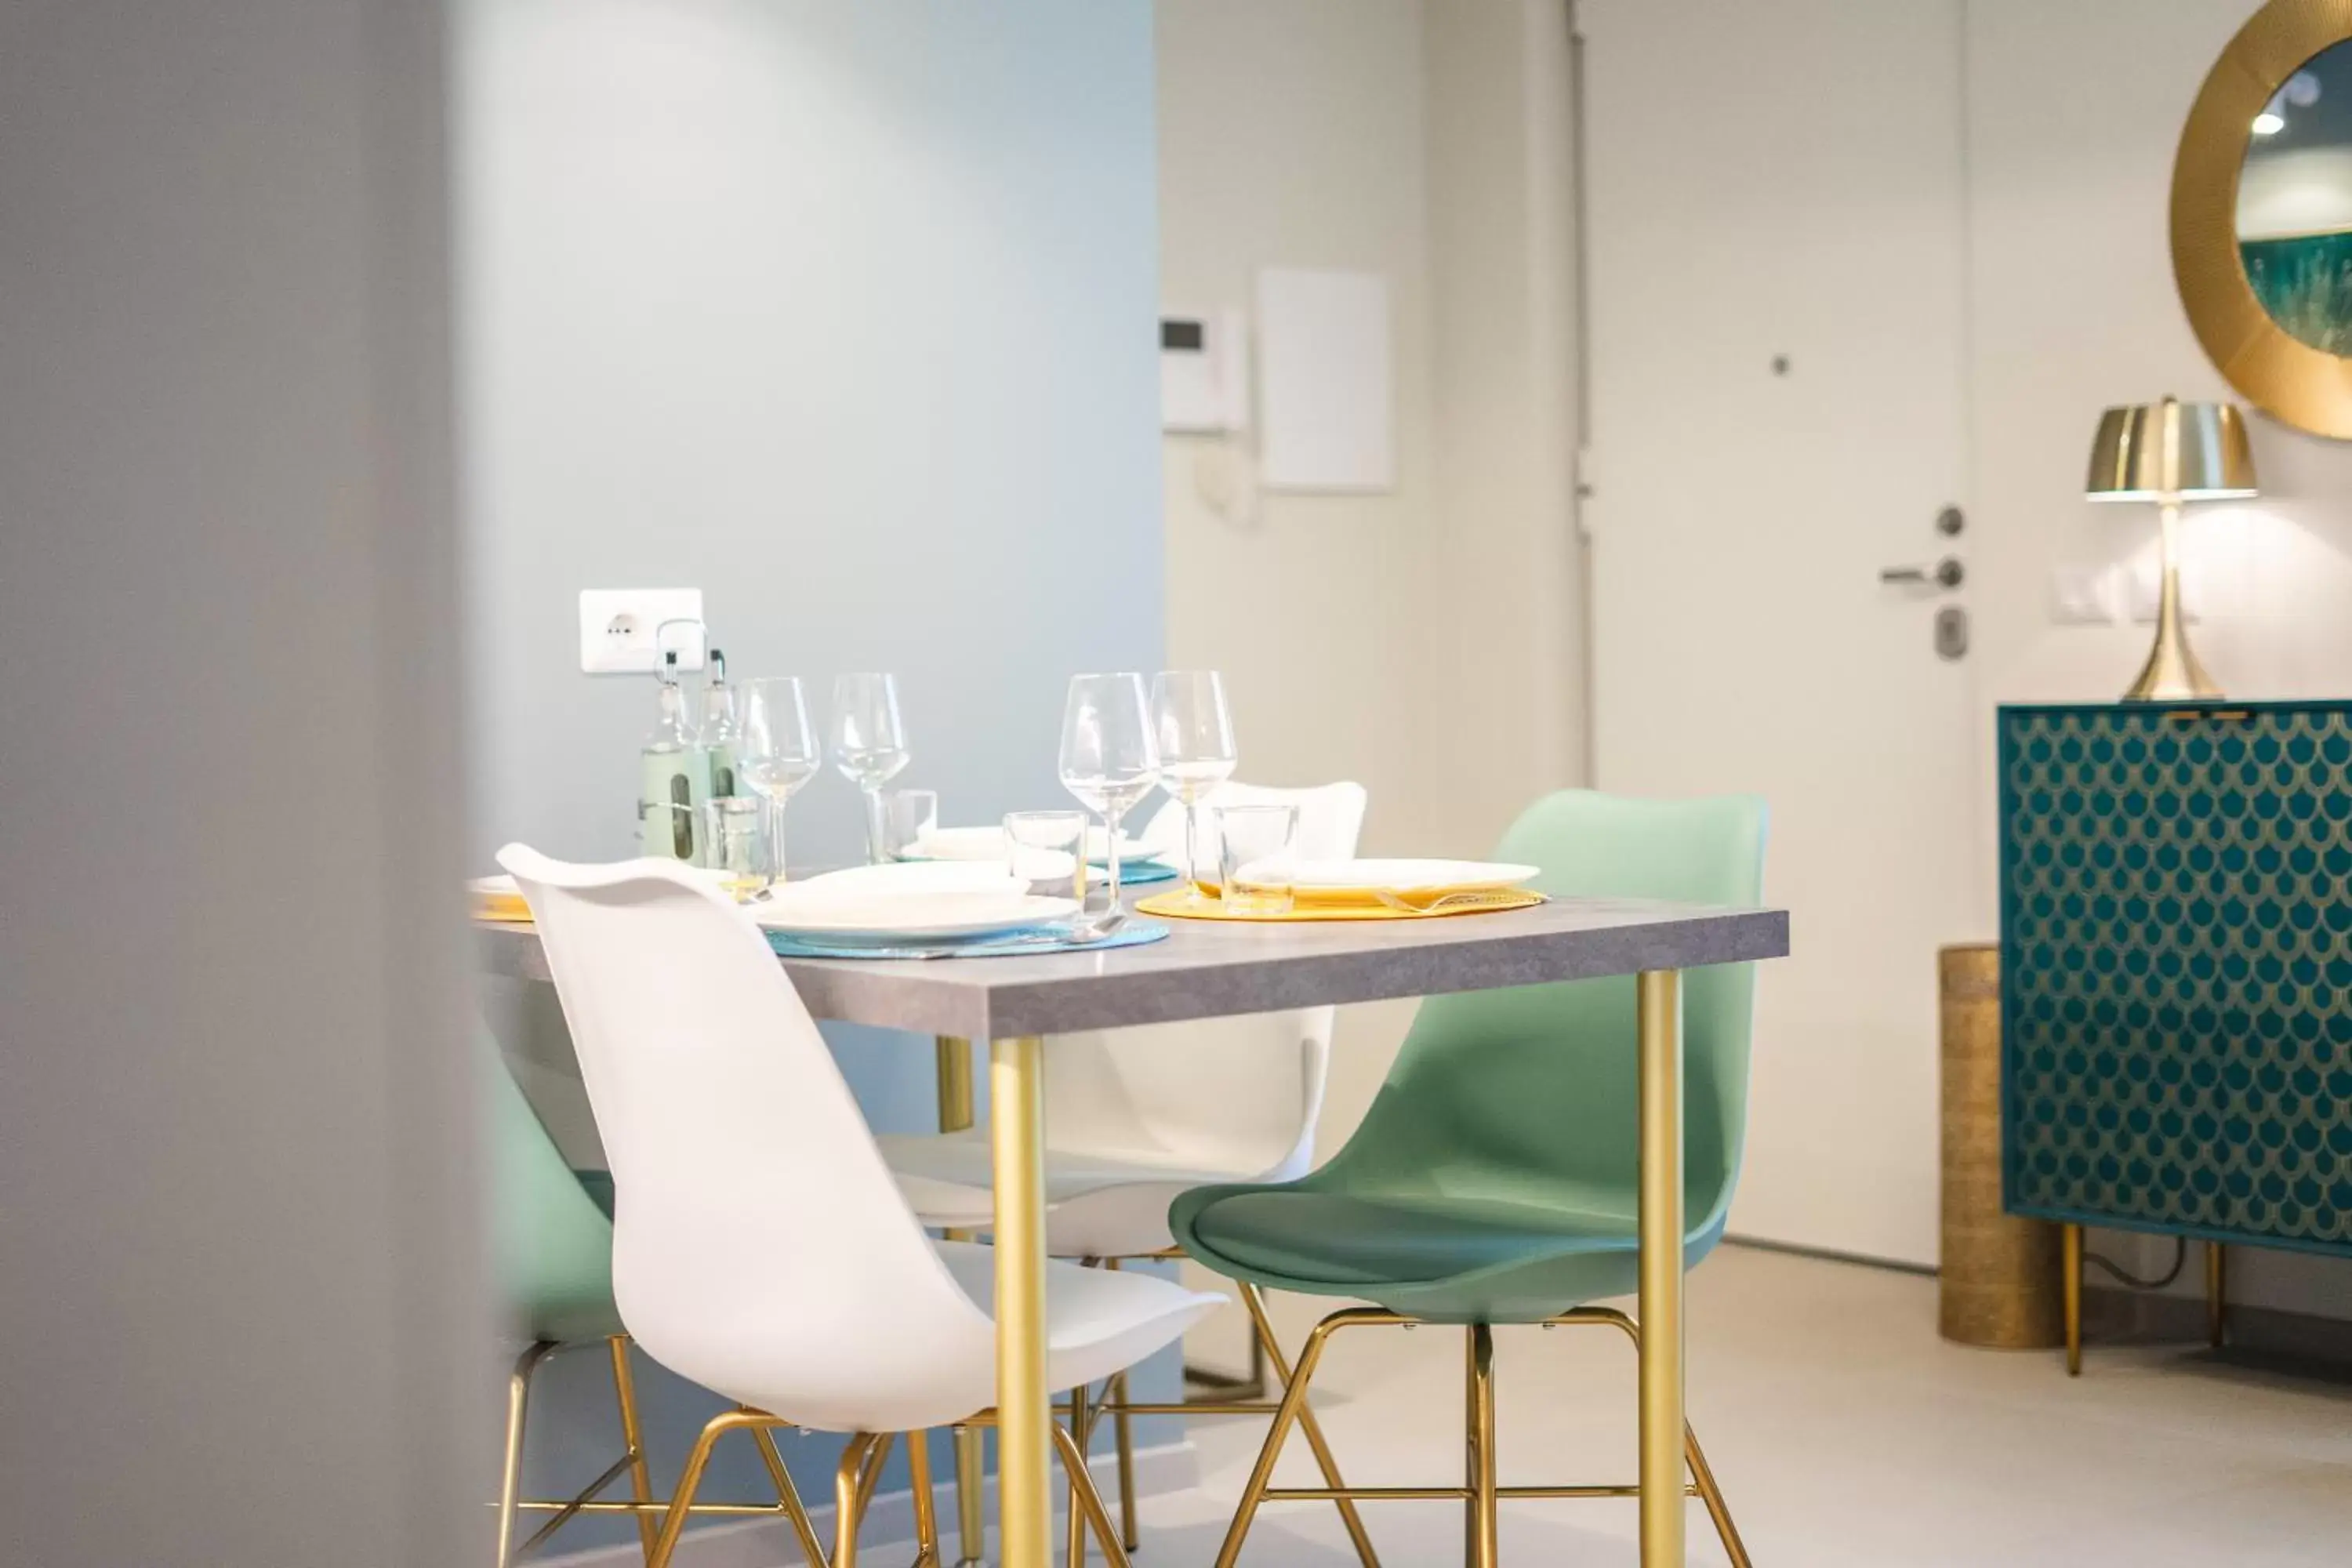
(1258, 858)
(908, 816)
(776, 752)
(1046, 849)
(1109, 759)
(736, 845)
(1195, 732)
(869, 745)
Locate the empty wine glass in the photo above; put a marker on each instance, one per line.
(1109, 759)
(1195, 732)
(869, 745)
(776, 752)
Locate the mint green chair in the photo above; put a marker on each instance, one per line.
(1494, 1178)
(552, 1246)
(554, 1251)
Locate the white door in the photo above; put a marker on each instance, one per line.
(1775, 242)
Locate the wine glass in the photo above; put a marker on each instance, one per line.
(1196, 750)
(1109, 759)
(776, 751)
(869, 745)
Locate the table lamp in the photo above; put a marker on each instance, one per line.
(2167, 453)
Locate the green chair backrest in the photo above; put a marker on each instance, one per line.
(552, 1245)
(1531, 1094)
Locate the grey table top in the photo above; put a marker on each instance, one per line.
(1209, 968)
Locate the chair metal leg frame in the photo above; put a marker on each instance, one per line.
(854, 1485)
(1270, 1350)
(1480, 1491)
(927, 1517)
(632, 1460)
(1073, 1466)
(647, 1510)
(955, 1097)
(625, 1389)
(1123, 1429)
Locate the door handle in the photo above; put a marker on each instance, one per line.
(1946, 573)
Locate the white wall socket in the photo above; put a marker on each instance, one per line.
(618, 626)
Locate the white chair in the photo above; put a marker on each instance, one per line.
(1135, 1117)
(760, 1247)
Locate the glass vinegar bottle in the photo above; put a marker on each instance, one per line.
(674, 779)
(722, 733)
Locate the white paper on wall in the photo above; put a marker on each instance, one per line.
(1327, 381)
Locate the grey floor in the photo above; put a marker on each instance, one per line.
(1845, 1433)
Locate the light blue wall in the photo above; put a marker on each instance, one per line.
(843, 312)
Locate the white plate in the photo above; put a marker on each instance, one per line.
(978, 844)
(915, 878)
(838, 915)
(1410, 877)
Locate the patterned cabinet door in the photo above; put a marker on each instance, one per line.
(2177, 968)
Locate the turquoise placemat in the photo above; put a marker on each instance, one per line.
(1142, 875)
(1135, 933)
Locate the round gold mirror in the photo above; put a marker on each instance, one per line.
(2262, 214)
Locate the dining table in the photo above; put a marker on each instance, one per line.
(1218, 968)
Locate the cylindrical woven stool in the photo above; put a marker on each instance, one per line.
(2001, 1274)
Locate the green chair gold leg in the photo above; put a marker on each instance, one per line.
(1481, 1546)
(1481, 1492)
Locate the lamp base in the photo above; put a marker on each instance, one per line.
(2172, 673)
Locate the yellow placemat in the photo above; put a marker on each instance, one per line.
(1175, 905)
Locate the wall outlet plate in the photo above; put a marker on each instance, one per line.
(618, 628)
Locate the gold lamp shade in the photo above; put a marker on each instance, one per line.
(2187, 451)
(2167, 453)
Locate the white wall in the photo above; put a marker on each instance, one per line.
(841, 310)
(1424, 642)
(243, 1296)
(2074, 308)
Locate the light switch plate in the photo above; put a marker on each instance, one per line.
(618, 628)
(2083, 594)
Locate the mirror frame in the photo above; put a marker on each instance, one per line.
(2280, 374)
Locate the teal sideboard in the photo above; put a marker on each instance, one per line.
(2176, 889)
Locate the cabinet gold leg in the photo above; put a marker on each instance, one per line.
(2217, 1293)
(2070, 1266)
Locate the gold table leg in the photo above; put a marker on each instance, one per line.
(1024, 1409)
(1659, 1003)
(970, 1461)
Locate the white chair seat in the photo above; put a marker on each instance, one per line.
(1097, 1205)
(1098, 1324)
